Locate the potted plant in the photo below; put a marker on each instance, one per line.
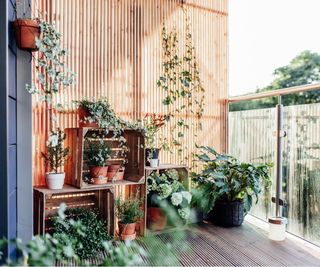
(98, 113)
(55, 158)
(128, 213)
(27, 31)
(52, 75)
(152, 123)
(196, 212)
(226, 186)
(166, 196)
(96, 154)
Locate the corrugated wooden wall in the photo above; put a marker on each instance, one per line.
(115, 49)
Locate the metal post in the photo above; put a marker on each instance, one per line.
(279, 135)
(277, 225)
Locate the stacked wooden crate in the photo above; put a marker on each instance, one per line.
(47, 202)
(78, 192)
(77, 169)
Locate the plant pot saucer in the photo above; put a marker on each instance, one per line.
(128, 237)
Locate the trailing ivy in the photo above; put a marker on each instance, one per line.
(52, 72)
(184, 92)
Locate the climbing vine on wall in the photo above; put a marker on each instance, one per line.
(184, 92)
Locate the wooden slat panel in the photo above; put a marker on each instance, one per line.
(115, 49)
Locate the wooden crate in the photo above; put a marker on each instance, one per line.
(183, 178)
(181, 169)
(46, 204)
(77, 169)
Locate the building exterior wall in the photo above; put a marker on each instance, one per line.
(15, 146)
(8, 133)
(115, 49)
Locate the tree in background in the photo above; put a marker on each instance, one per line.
(303, 69)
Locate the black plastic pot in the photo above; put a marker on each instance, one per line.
(151, 153)
(196, 216)
(227, 214)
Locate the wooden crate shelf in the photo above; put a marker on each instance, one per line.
(47, 202)
(183, 178)
(77, 169)
(181, 169)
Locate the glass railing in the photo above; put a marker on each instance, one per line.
(252, 138)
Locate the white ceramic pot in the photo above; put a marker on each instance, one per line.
(55, 180)
(154, 163)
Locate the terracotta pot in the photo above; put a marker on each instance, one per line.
(128, 237)
(83, 113)
(156, 219)
(100, 180)
(127, 229)
(113, 168)
(26, 32)
(115, 175)
(98, 171)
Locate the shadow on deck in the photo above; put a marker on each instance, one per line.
(247, 245)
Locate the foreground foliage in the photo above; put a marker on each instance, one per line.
(47, 250)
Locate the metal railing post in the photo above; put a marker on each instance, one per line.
(279, 134)
(277, 225)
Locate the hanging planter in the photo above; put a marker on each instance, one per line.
(26, 32)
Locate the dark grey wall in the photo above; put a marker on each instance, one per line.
(15, 133)
(24, 141)
(4, 188)
(8, 130)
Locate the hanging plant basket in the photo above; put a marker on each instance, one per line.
(26, 32)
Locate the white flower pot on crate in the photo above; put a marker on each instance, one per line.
(154, 163)
(55, 180)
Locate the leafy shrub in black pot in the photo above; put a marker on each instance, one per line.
(225, 188)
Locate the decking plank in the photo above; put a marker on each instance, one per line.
(285, 252)
(210, 245)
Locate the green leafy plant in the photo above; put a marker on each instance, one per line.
(47, 250)
(151, 124)
(101, 112)
(51, 71)
(83, 231)
(129, 210)
(56, 153)
(224, 178)
(165, 190)
(184, 92)
(97, 153)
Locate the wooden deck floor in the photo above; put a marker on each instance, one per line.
(209, 245)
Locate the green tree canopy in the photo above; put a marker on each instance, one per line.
(303, 69)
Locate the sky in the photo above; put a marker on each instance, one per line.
(265, 35)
